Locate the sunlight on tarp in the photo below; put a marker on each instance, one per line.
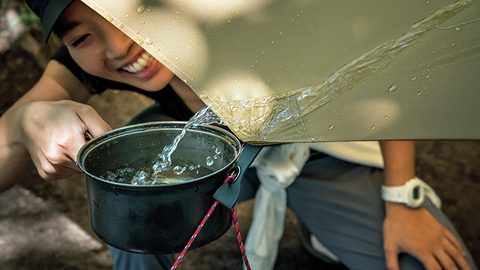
(278, 71)
(218, 11)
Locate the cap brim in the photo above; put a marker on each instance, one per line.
(53, 10)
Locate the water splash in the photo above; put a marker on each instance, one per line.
(164, 170)
(204, 116)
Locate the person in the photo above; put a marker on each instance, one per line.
(336, 199)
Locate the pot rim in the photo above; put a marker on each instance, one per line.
(142, 127)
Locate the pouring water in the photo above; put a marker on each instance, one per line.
(164, 170)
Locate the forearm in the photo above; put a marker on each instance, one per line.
(399, 167)
(399, 161)
(57, 83)
(14, 158)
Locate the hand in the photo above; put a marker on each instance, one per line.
(54, 132)
(417, 232)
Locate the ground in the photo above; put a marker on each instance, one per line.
(451, 167)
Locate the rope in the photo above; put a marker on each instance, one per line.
(202, 223)
(239, 238)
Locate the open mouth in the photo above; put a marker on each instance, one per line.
(139, 65)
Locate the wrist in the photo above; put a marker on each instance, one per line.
(411, 194)
(395, 208)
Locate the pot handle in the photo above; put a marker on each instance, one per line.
(227, 194)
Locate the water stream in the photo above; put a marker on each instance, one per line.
(204, 116)
(164, 170)
(277, 113)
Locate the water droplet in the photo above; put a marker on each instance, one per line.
(427, 76)
(419, 92)
(386, 117)
(331, 127)
(149, 41)
(218, 151)
(127, 15)
(109, 18)
(458, 28)
(143, 22)
(413, 78)
(141, 8)
(179, 169)
(209, 161)
(281, 33)
(138, 39)
(272, 42)
(392, 88)
(120, 25)
(373, 127)
(453, 44)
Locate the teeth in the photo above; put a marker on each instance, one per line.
(142, 62)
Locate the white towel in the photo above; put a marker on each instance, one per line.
(277, 167)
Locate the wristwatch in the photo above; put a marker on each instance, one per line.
(412, 193)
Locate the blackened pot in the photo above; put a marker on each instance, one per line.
(157, 219)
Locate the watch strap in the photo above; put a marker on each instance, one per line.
(412, 193)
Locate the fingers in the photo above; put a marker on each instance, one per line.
(53, 145)
(453, 240)
(72, 147)
(49, 171)
(454, 250)
(444, 259)
(90, 125)
(391, 256)
(449, 254)
(419, 234)
(431, 264)
(95, 125)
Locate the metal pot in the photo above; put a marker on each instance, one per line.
(156, 218)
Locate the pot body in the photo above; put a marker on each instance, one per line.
(157, 218)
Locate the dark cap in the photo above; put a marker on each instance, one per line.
(48, 11)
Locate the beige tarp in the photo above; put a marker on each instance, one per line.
(306, 70)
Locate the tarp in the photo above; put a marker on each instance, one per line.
(332, 70)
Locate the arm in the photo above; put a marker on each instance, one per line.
(414, 231)
(48, 126)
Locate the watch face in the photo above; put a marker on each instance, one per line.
(416, 192)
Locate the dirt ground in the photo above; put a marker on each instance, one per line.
(452, 168)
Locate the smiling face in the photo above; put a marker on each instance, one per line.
(101, 49)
